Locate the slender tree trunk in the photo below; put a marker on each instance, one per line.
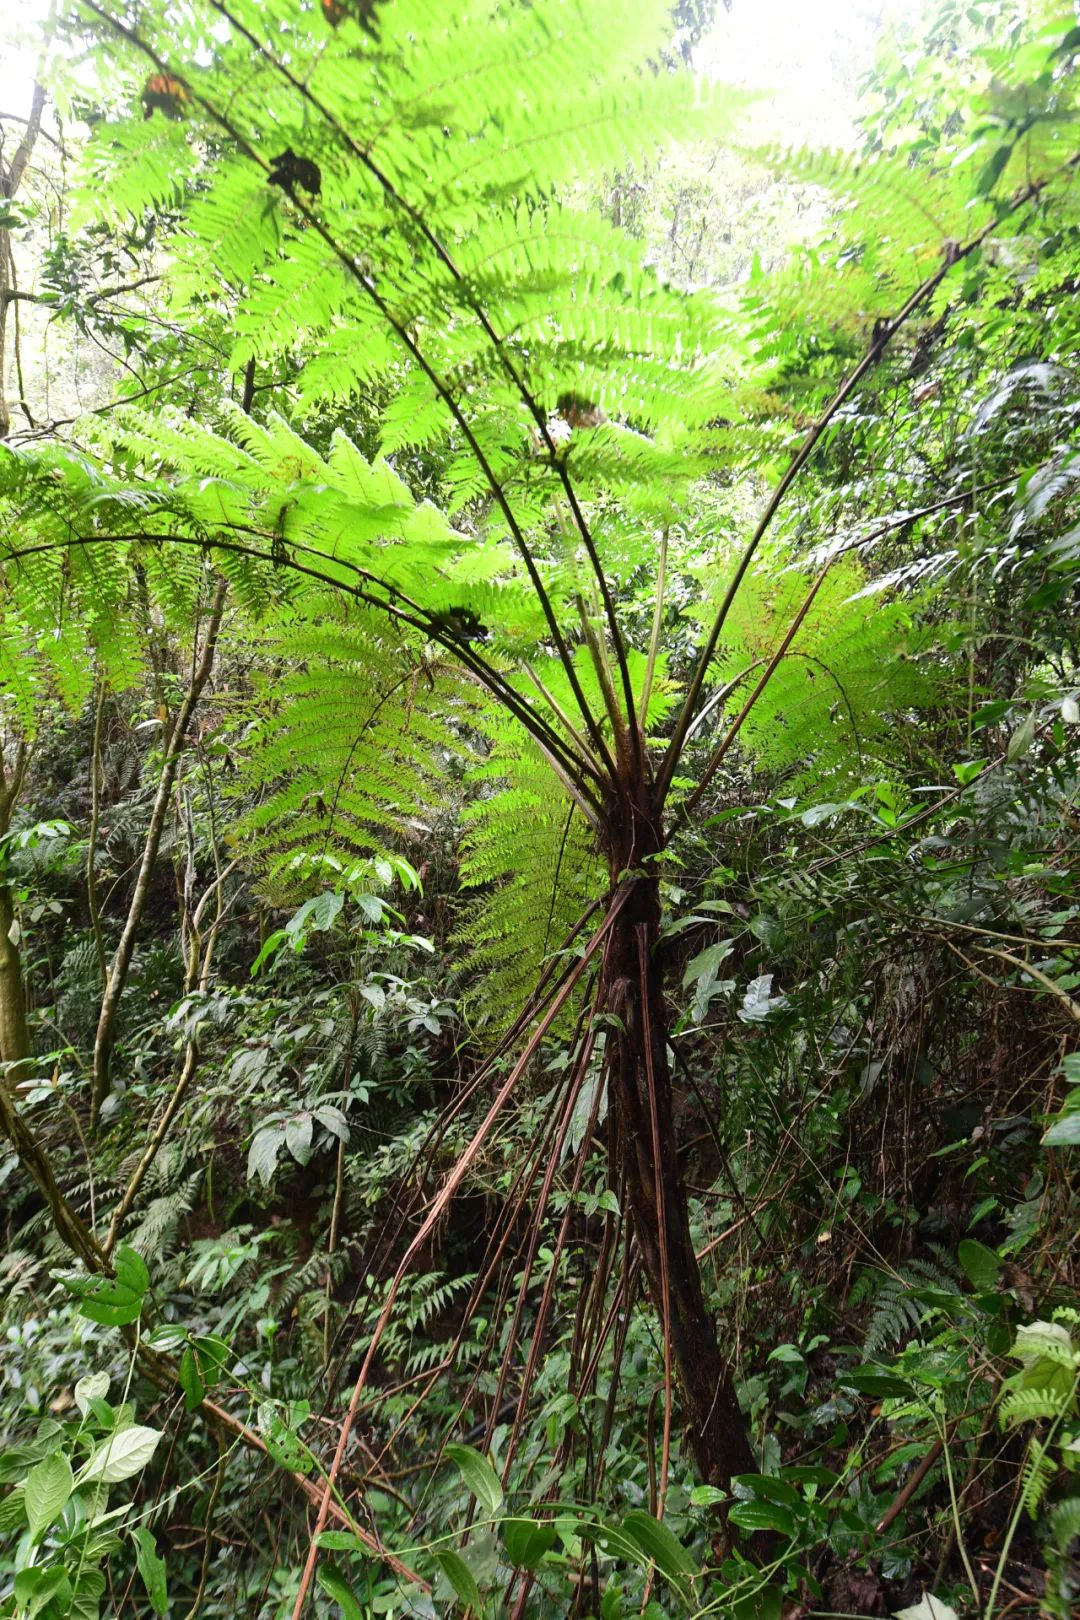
(91, 843)
(121, 962)
(646, 1153)
(10, 180)
(14, 1031)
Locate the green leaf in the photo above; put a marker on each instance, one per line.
(89, 1591)
(769, 1488)
(123, 1454)
(151, 1568)
(527, 1542)
(214, 1355)
(190, 1380)
(1071, 42)
(478, 1475)
(1021, 739)
(48, 1486)
(93, 1387)
(1043, 1341)
(298, 1132)
(282, 1442)
(707, 962)
(15, 1461)
(758, 1515)
(111, 1307)
(979, 1264)
(34, 1588)
(168, 1336)
(340, 1541)
(811, 1474)
(993, 169)
(872, 1381)
(13, 1509)
(270, 945)
(337, 1587)
(611, 1604)
(461, 1578)
(131, 1271)
(765, 1604)
(659, 1544)
(113, 1301)
(1064, 1132)
(263, 1153)
(787, 1353)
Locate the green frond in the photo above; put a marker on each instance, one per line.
(1039, 1469)
(899, 1310)
(835, 702)
(350, 739)
(1028, 1405)
(529, 869)
(1065, 1523)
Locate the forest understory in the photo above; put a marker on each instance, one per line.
(539, 881)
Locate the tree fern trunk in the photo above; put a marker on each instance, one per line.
(646, 1154)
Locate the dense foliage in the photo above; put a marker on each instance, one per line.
(538, 848)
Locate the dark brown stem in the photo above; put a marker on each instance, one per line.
(904, 1495)
(640, 1093)
(91, 842)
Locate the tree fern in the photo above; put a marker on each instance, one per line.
(550, 400)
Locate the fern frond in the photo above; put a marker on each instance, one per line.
(1065, 1523)
(836, 699)
(529, 868)
(1028, 1405)
(1039, 1469)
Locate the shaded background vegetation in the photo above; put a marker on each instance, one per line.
(357, 871)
